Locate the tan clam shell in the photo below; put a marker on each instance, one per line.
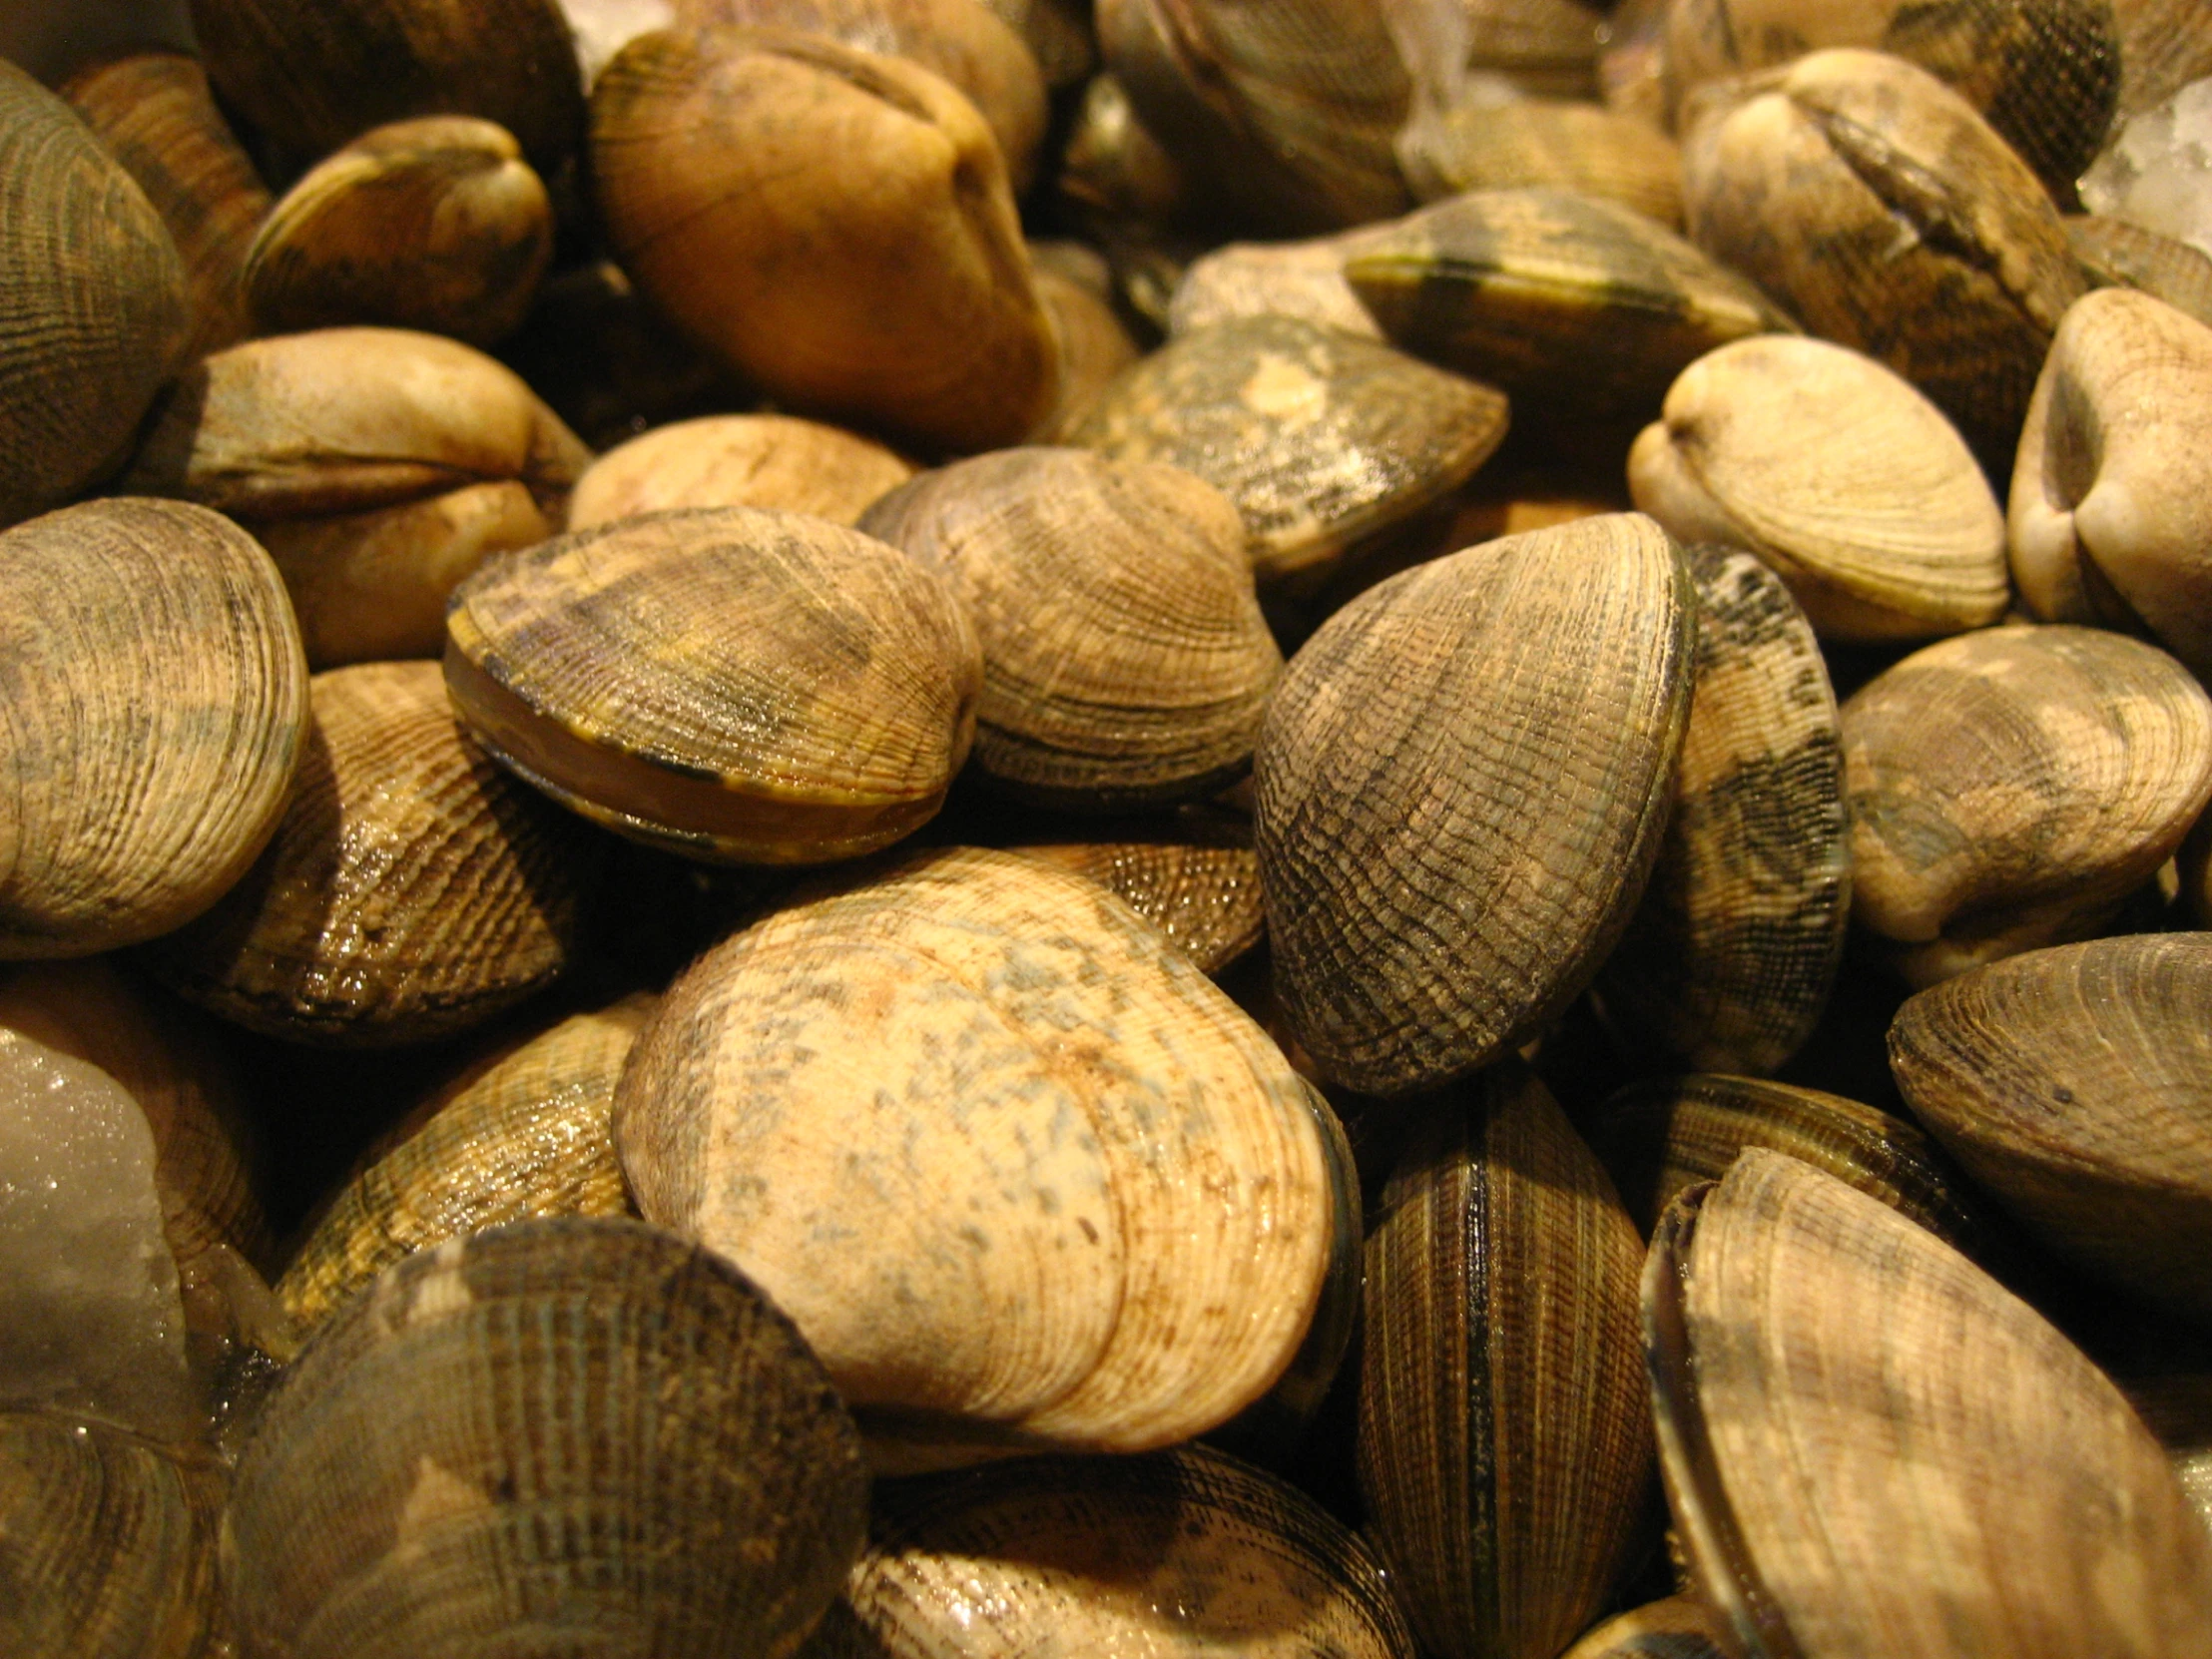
(1551, 144)
(1095, 345)
(741, 460)
(2179, 1410)
(740, 684)
(1193, 875)
(2008, 787)
(1072, 1197)
(1869, 1446)
(1676, 1628)
(2116, 253)
(1277, 279)
(1839, 475)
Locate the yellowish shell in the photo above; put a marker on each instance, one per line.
(743, 461)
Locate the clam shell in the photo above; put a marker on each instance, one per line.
(1304, 279)
(1058, 35)
(740, 685)
(2179, 1410)
(1551, 144)
(1676, 1628)
(2116, 253)
(1193, 875)
(1543, 47)
(2164, 47)
(1460, 786)
(559, 1436)
(157, 705)
(1071, 1197)
(1869, 1446)
(1095, 346)
(743, 461)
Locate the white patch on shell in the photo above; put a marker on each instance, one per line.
(442, 1291)
(1281, 390)
(436, 1496)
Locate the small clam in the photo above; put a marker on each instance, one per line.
(2116, 253)
(1676, 1628)
(747, 461)
(1551, 144)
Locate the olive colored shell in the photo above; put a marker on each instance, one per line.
(106, 1543)
(435, 223)
(2111, 509)
(413, 889)
(1676, 1628)
(1839, 475)
(1304, 279)
(740, 684)
(1189, 1552)
(1565, 301)
(2116, 253)
(716, 154)
(1027, 1180)
(1504, 1441)
(1461, 783)
(92, 299)
(1551, 144)
(522, 1134)
(1873, 201)
(1871, 1447)
(157, 704)
(1125, 659)
(1194, 876)
(742, 460)
(314, 79)
(154, 110)
(2008, 787)
(2075, 1084)
(1728, 962)
(1319, 438)
(560, 1436)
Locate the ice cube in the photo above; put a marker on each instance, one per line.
(2158, 171)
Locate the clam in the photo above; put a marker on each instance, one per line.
(1193, 876)
(1132, 197)
(1095, 346)
(96, 302)
(740, 685)
(2111, 509)
(1545, 48)
(435, 223)
(1869, 1446)
(2179, 1410)
(1125, 659)
(1504, 1443)
(2164, 47)
(1024, 1178)
(716, 154)
(1187, 1552)
(1058, 35)
(1676, 1628)
(1836, 474)
(1460, 788)
(2075, 1084)
(412, 889)
(562, 1435)
(1319, 440)
(1304, 279)
(158, 709)
(749, 460)
(2007, 790)
(1551, 144)
(2116, 253)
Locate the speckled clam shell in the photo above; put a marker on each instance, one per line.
(1676, 1628)
(1871, 1447)
(735, 684)
(1187, 1552)
(1193, 876)
(1504, 1441)
(1837, 474)
(158, 709)
(566, 1434)
(523, 1134)
(2075, 1084)
(1551, 144)
(740, 461)
(1729, 959)
(1024, 1178)
(411, 890)
(2008, 787)
(1318, 437)
(1565, 301)
(1277, 279)
(1461, 788)
(2116, 253)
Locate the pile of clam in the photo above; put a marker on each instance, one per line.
(1013, 826)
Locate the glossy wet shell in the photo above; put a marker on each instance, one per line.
(1185, 1552)
(1024, 1178)
(562, 1435)
(2076, 1085)
(1504, 1439)
(1676, 1628)
(1871, 1448)
(1728, 962)
(524, 1134)
(1194, 876)
(1319, 438)
(743, 461)
(158, 709)
(1461, 784)
(2007, 787)
(740, 685)
(413, 889)
(92, 296)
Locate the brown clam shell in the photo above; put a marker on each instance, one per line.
(1193, 876)
(2116, 253)
(1551, 144)
(1095, 345)
(1277, 279)
(742, 460)
(1676, 1628)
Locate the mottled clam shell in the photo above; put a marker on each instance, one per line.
(1319, 438)
(1869, 1446)
(2116, 253)
(735, 684)
(1728, 961)
(2075, 1084)
(1193, 875)
(412, 889)
(1469, 765)
(1027, 1180)
(1277, 279)
(1676, 1628)
(2008, 787)
(1839, 475)
(158, 709)
(1505, 1439)
(562, 1435)
(1551, 144)
(742, 460)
